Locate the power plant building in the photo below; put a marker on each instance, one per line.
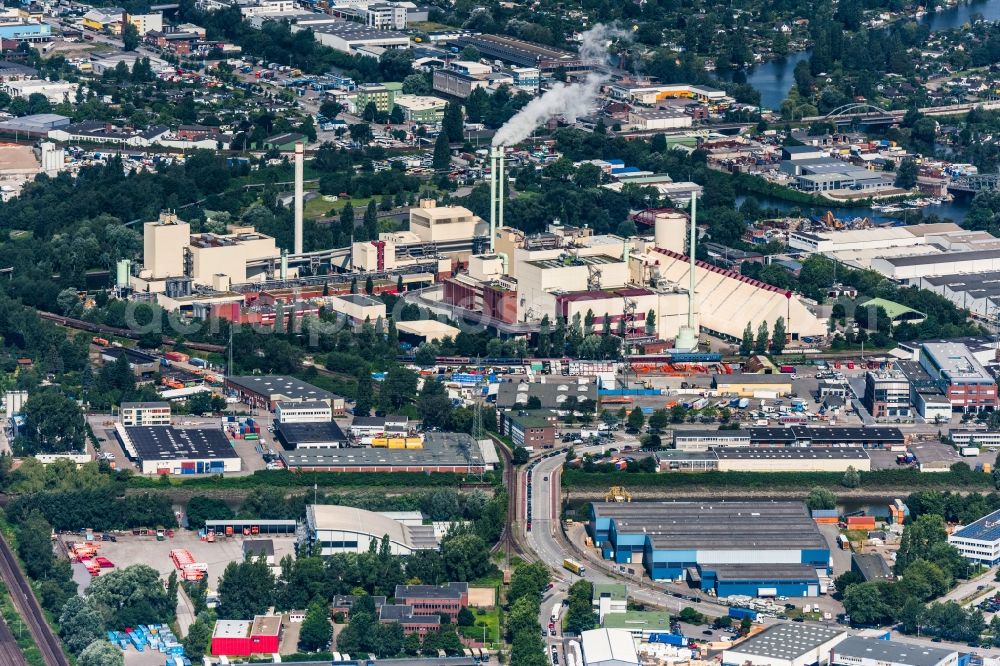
(174, 259)
(747, 548)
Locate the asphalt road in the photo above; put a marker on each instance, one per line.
(546, 540)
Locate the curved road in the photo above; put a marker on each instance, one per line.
(551, 546)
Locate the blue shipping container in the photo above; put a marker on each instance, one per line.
(740, 613)
(668, 639)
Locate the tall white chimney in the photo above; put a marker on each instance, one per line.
(687, 336)
(493, 195)
(299, 157)
(501, 188)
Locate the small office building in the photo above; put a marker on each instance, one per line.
(979, 541)
(144, 413)
(308, 411)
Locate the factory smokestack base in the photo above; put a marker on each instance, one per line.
(687, 336)
(299, 157)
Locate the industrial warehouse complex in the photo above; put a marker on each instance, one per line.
(749, 548)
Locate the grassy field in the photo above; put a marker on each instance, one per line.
(319, 207)
(488, 619)
(21, 634)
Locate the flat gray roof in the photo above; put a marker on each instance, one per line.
(891, 651)
(740, 572)
(440, 448)
(717, 525)
(787, 641)
(941, 258)
(280, 385)
(792, 453)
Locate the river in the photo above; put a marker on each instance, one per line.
(775, 78)
(954, 211)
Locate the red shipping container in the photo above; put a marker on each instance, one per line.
(861, 522)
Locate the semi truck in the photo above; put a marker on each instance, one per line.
(574, 566)
(740, 613)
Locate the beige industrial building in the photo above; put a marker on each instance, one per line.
(357, 308)
(214, 254)
(435, 224)
(211, 260)
(565, 272)
(727, 301)
(442, 232)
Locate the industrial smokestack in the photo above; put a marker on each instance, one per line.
(501, 187)
(694, 234)
(299, 157)
(493, 195)
(687, 336)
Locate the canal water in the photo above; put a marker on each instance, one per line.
(955, 211)
(775, 78)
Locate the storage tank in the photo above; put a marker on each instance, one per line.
(670, 230)
(122, 272)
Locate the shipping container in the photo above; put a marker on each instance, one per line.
(740, 613)
(969, 451)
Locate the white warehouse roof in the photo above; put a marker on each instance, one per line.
(609, 647)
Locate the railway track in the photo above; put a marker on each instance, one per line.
(508, 543)
(10, 653)
(29, 610)
(91, 327)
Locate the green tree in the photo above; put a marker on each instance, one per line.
(198, 641)
(79, 624)
(130, 36)
(130, 596)
(416, 84)
(389, 639)
(245, 589)
(746, 343)
(906, 174)
(34, 545)
(316, 631)
(101, 653)
(201, 508)
(852, 478)
(347, 219)
(865, 603)
(442, 153)
(821, 499)
(635, 419)
(658, 421)
(465, 557)
(451, 124)
(53, 424)
(778, 337)
(520, 455)
(760, 344)
(371, 220)
(365, 396)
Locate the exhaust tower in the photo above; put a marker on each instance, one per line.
(299, 157)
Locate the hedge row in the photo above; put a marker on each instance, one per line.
(288, 479)
(888, 478)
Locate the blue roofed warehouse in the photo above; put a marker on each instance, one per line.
(750, 548)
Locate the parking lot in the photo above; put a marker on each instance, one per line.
(129, 550)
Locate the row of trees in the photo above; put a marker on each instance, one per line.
(766, 340)
(523, 610)
(927, 566)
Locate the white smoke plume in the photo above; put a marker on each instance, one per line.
(570, 101)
